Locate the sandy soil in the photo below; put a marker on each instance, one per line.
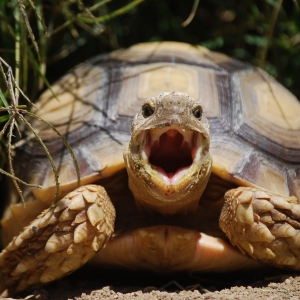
(87, 284)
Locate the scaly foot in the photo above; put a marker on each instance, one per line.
(59, 241)
(264, 225)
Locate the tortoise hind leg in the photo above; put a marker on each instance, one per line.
(264, 225)
(59, 241)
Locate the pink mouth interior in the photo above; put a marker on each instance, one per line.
(170, 153)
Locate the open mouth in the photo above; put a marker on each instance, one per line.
(171, 151)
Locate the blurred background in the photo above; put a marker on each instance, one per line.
(40, 40)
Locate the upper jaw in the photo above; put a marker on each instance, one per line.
(171, 155)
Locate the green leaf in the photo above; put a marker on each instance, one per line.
(3, 99)
(4, 118)
(256, 40)
(213, 44)
(36, 65)
(271, 2)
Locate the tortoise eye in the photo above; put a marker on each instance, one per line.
(147, 111)
(197, 112)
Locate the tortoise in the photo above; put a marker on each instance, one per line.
(205, 126)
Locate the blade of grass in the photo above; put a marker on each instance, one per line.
(89, 13)
(3, 99)
(38, 14)
(17, 45)
(97, 5)
(6, 125)
(36, 66)
(43, 42)
(25, 66)
(88, 28)
(263, 51)
(106, 17)
(19, 180)
(68, 15)
(192, 14)
(29, 30)
(9, 152)
(7, 81)
(113, 14)
(4, 118)
(10, 82)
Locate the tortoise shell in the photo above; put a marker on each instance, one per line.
(254, 121)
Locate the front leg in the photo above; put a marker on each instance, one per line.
(263, 224)
(61, 240)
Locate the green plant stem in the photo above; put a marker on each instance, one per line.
(43, 41)
(3, 99)
(192, 14)
(9, 151)
(106, 17)
(114, 14)
(263, 51)
(17, 45)
(19, 180)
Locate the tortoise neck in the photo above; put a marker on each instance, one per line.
(167, 209)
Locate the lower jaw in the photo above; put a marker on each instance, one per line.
(152, 193)
(169, 196)
(171, 179)
(178, 183)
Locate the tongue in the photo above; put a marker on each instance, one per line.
(171, 178)
(170, 153)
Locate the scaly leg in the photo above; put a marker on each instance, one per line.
(263, 224)
(61, 240)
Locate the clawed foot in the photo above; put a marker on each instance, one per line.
(264, 225)
(59, 241)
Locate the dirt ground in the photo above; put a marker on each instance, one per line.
(92, 284)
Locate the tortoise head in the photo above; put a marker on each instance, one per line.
(168, 159)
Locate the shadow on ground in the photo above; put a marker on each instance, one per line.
(88, 282)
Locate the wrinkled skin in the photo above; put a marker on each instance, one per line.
(169, 165)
